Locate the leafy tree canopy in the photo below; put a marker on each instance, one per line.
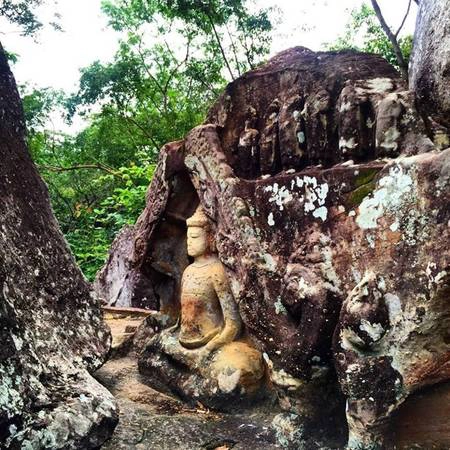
(23, 14)
(240, 37)
(171, 64)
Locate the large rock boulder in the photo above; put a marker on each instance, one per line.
(51, 329)
(331, 207)
(430, 67)
(300, 109)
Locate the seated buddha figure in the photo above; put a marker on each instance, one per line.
(209, 314)
(206, 352)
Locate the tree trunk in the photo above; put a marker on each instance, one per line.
(403, 65)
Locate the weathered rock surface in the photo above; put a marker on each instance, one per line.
(120, 287)
(430, 68)
(153, 420)
(331, 212)
(51, 329)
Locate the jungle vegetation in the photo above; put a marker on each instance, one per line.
(172, 62)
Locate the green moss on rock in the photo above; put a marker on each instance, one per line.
(357, 196)
(364, 185)
(365, 176)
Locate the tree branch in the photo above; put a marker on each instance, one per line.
(233, 46)
(175, 70)
(61, 197)
(224, 56)
(397, 50)
(77, 167)
(146, 68)
(404, 19)
(146, 133)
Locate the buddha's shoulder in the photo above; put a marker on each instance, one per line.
(217, 271)
(217, 266)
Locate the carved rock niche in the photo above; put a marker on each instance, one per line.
(330, 207)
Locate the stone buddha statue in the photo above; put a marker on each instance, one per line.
(206, 355)
(209, 315)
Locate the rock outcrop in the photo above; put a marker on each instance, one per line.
(430, 68)
(331, 211)
(51, 329)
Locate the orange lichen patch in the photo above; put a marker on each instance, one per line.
(197, 325)
(192, 307)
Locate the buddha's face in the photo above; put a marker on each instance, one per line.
(197, 241)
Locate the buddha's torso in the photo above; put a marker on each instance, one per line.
(201, 314)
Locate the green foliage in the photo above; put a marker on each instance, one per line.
(364, 33)
(97, 227)
(223, 30)
(144, 94)
(173, 61)
(38, 104)
(22, 13)
(91, 199)
(11, 57)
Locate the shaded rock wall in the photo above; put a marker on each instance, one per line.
(430, 68)
(424, 419)
(51, 328)
(331, 209)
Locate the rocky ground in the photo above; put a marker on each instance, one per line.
(152, 420)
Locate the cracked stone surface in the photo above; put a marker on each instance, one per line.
(52, 335)
(331, 210)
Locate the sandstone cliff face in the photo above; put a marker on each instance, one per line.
(331, 209)
(51, 328)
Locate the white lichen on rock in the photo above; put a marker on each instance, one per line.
(280, 195)
(389, 196)
(279, 307)
(306, 190)
(374, 330)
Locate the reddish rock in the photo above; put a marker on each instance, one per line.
(331, 210)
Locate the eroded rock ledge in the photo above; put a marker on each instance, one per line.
(331, 212)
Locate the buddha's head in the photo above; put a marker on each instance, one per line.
(199, 236)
